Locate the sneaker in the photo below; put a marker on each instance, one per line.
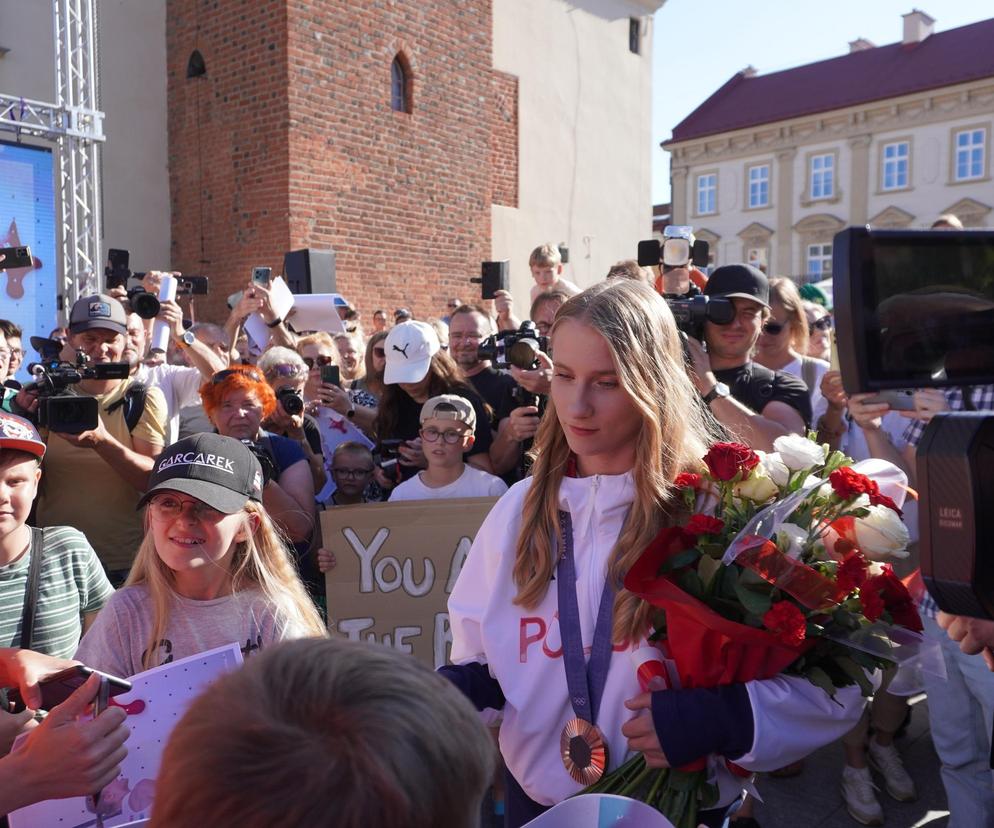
(887, 762)
(858, 794)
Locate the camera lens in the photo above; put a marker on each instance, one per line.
(143, 303)
(523, 353)
(291, 401)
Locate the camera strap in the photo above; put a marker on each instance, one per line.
(133, 403)
(31, 589)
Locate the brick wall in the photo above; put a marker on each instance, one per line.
(504, 140)
(290, 142)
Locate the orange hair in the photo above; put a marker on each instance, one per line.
(240, 378)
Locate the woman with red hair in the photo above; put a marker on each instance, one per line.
(237, 401)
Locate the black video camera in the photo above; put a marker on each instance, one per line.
(519, 348)
(292, 402)
(143, 303)
(67, 413)
(691, 314)
(918, 308)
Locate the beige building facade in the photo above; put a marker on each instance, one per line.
(775, 193)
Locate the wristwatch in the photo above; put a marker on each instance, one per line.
(351, 412)
(719, 390)
(186, 340)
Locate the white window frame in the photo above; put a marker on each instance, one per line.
(758, 183)
(708, 193)
(817, 176)
(820, 252)
(967, 151)
(898, 165)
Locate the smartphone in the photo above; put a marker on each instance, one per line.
(192, 285)
(900, 400)
(15, 257)
(262, 275)
(331, 375)
(389, 449)
(60, 686)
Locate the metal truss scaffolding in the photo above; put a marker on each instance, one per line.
(75, 123)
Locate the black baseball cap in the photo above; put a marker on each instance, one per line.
(220, 471)
(739, 281)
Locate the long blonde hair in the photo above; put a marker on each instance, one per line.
(676, 432)
(260, 562)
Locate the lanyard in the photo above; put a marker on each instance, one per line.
(584, 680)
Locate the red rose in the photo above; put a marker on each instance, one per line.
(849, 484)
(895, 597)
(852, 571)
(704, 525)
(873, 604)
(787, 622)
(688, 480)
(726, 460)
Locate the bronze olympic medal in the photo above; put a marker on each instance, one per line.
(584, 751)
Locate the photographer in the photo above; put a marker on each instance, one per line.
(754, 403)
(286, 374)
(179, 384)
(92, 477)
(512, 423)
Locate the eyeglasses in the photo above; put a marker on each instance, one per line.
(352, 474)
(221, 376)
(320, 361)
(773, 328)
(170, 508)
(823, 324)
(451, 436)
(284, 371)
(380, 352)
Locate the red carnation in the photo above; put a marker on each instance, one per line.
(852, 571)
(895, 597)
(688, 480)
(704, 525)
(787, 622)
(878, 499)
(726, 460)
(849, 484)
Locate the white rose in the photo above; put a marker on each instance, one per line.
(797, 452)
(882, 534)
(790, 538)
(758, 487)
(776, 468)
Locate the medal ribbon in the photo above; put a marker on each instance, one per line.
(584, 680)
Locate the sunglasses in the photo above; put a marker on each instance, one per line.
(380, 352)
(321, 361)
(284, 371)
(221, 376)
(823, 324)
(773, 328)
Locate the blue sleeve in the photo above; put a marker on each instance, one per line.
(476, 683)
(695, 723)
(286, 452)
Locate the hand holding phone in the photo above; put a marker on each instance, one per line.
(262, 275)
(58, 687)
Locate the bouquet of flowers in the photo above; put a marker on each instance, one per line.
(777, 570)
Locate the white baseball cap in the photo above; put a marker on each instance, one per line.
(409, 348)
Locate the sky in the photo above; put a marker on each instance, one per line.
(699, 44)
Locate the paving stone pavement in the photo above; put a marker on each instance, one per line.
(812, 800)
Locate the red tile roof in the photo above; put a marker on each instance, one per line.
(943, 59)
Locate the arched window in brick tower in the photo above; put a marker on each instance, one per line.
(400, 85)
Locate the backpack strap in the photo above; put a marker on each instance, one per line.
(809, 371)
(31, 589)
(133, 403)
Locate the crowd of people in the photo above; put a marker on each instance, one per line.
(186, 516)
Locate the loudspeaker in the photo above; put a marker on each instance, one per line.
(310, 271)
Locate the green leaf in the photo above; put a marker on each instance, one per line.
(756, 602)
(687, 557)
(707, 568)
(690, 582)
(819, 678)
(855, 672)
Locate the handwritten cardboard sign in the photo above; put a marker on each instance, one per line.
(396, 566)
